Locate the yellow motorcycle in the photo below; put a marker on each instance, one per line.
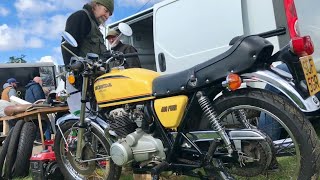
(202, 122)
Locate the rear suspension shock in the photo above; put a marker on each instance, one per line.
(211, 114)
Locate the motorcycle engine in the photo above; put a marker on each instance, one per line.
(133, 142)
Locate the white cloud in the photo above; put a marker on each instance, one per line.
(34, 42)
(3, 11)
(55, 26)
(135, 3)
(48, 59)
(11, 38)
(15, 39)
(49, 29)
(57, 55)
(37, 7)
(72, 4)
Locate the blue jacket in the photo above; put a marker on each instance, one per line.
(34, 92)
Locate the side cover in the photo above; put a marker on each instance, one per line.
(170, 110)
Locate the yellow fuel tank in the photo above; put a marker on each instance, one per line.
(122, 86)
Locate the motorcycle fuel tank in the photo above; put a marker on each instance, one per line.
(122, 86)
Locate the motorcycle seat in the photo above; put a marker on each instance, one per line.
(240, 57)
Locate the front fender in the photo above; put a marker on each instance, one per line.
(259, 79)
(97, 123)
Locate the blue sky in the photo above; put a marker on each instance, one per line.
(33, 27)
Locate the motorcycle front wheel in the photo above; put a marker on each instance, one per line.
(96, 149)
(293, 140)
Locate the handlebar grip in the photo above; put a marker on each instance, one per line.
(76, 66)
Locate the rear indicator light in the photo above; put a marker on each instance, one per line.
(233, 82)
(302, 46)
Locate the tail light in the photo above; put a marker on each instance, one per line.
(292, 18)
(302, 46)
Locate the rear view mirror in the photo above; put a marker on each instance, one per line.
(125, 29)
(69, 39)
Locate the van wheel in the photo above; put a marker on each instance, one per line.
(3, 152)
(22, 163)
(12, 149)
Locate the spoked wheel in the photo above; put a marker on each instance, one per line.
(291, 149)
(95, 162)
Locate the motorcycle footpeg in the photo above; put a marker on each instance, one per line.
(160, 168)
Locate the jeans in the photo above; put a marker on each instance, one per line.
(266, 122)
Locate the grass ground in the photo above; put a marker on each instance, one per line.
(275, 176)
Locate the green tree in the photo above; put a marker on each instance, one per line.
(20, 59)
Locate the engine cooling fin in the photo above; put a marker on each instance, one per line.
(123, 125)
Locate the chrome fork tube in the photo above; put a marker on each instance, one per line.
(82, 116)
(211, 114)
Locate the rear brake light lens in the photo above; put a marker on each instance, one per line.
(302, 46)
(292, 18)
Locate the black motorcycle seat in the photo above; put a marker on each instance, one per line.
(241, 56)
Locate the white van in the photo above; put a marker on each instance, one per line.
(175, 35)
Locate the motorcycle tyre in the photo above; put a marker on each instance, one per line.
(3, 152)
(114, 172)
(24, 152)
(12, 149)
(293, 118)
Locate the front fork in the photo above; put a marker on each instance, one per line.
(81, 124)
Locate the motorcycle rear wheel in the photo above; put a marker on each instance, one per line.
(302, 159)
(103, 169)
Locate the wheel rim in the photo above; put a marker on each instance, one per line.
(102, 167)
(283, 161)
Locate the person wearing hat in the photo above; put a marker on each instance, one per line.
(116, 45)
(84, 24)
(9, 89)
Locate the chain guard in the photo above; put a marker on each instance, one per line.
(86, 168)
(261, 150)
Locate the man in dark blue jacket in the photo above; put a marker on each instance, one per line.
(34, 90)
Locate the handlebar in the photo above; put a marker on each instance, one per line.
(79, 65)
(130, 55)
(120, 55)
